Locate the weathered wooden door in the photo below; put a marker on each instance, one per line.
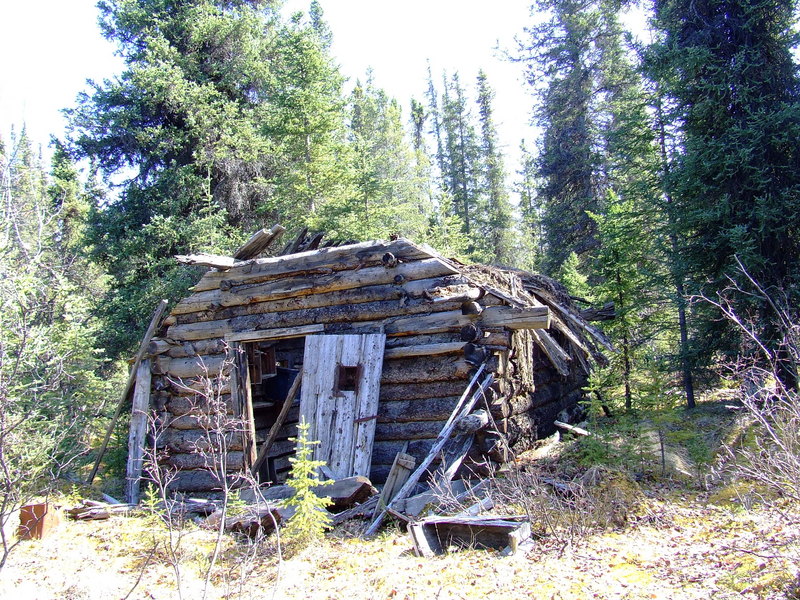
(339, 398)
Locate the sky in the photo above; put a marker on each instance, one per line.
(51, 47)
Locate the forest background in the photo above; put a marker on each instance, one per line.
(665, 178)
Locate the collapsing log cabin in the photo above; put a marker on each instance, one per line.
(372, 343)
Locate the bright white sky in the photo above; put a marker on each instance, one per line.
(51, 47)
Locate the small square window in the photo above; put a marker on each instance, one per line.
(347, 378)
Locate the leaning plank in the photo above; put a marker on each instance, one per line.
(401, 470)
(207, 260)
(259, 242)
(129, 385)
(555, 353)
(138, 429)
(463, 407)
(273, 432)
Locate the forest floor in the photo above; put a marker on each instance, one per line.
(636, 529)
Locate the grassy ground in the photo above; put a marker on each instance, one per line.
(637, 526)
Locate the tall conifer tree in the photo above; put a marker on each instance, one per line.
(728, 67)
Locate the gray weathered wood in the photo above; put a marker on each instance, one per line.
(334, 259)
(424, 350)
(434, 535)
(344, 421)
(259, 242)
(207, 260)
(463, 407)
(280, 333)
(137, 432)
(401, 470)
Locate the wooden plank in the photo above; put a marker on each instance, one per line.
(276, 426)
(129, 385)
(333, 259)
(401, 470)
(202, 259)
(342, 420)
(242, 400)
(424, 350)
(137, 433)
(274, 334)
(259, 242)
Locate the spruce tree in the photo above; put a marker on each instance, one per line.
(727, 68)
(181, 127)
(495, 222)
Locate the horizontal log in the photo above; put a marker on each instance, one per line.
(185, 405)
(199, 460)
(281, 333)
(208, 420)
(191, 367)
(419, 340)
(411, 391)
(203, 259)
(536, 317)
(424, 350)
(372, 312)
(290, 287)
(384, 451)
(429, 409)
(200, 480)
(408, 431)
(415, 370)
(326, 259)
(175, 349)
(195, 440)
(197, 387)
(239, 303)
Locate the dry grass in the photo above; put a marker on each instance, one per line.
(608, 537)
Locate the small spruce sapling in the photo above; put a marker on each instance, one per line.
(310, 519)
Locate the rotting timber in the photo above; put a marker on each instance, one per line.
(385, 335)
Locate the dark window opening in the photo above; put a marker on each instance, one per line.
(347, 378)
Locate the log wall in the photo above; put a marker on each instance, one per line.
(417, 302)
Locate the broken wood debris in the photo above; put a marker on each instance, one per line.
(572, 428)
(91, 510)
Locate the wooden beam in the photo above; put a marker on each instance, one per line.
(274, 334)
(138, 430)
(259, 242)
(223, 263)
(424, 350)
(129, 385)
